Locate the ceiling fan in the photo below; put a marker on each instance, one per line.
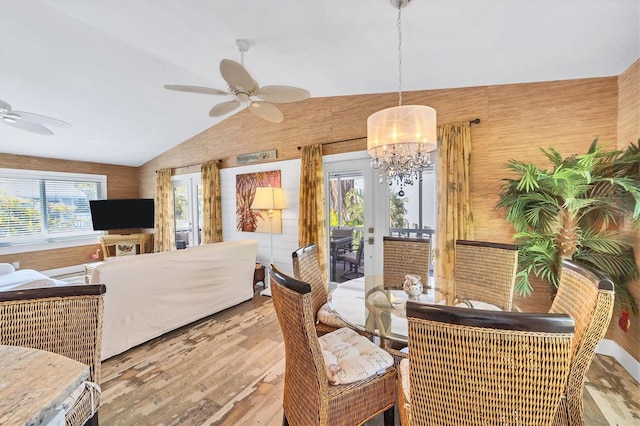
(260, 100)
(34, 123)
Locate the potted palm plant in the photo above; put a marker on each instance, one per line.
(575, 211)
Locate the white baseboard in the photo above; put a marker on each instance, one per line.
(629, 363)
(64, 271)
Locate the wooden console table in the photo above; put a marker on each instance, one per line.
(34, 383)
(144, 243)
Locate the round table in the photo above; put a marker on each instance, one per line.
(366, 305)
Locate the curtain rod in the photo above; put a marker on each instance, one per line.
(474, 121)
(190, 165)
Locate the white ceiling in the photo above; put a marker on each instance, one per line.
(100, 65)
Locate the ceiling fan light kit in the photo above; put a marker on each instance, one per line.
(260, 100)
(28, 121)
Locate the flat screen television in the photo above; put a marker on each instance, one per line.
(121, 214)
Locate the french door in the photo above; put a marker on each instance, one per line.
(187, 201)
(354, 198)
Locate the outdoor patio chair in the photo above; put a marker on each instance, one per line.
(485, 274)
(65, 320)
(588, 296)
(309, 397)
(355, 260)
(472, 367)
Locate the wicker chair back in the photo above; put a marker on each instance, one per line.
(306, 267)
(470, 367)
(64, 320)
(486, 272)
(402, 256)
(588, 296)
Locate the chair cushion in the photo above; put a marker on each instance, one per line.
(476, 304)
(350, 357)
(403, 377)
(327, 317)
(483, 305)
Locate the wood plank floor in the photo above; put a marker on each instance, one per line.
(228, 369)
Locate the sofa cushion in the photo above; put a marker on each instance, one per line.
(350, 357)
(6, 268)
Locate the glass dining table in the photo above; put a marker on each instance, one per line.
(365, 304)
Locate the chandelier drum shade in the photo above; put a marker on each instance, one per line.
(400, 139)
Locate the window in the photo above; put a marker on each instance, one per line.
(414, 213)
(40, 206)
(346, 201)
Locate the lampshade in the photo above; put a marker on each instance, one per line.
(269, 198)
(408, 128)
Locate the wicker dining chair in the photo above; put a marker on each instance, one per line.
(64, 320)
(472, 367)
(306, 267)
(309, 399)
(588, 296)
(485, 272)
(402, 256)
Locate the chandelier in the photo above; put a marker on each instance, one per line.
(400, 139)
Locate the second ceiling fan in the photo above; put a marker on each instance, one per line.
(246, 90)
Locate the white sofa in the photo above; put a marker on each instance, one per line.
(10, 279)
(151, 294)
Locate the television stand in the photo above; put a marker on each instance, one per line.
(143, 243)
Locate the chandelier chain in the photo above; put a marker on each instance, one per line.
(399, 24)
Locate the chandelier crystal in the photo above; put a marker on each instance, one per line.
(400, 139)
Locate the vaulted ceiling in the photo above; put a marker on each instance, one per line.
(101, 65)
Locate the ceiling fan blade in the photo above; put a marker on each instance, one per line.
(224, 108)
(282, 94)
(4, 107)
(195, 89)
(41, 119)
(237, 77)
(267, 111)
(29, 127)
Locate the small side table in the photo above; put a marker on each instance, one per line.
(258, 275)
(88, 270)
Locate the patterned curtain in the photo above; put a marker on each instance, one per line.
(165, 227)
(311, 223)
(455, 220)
(211, 204)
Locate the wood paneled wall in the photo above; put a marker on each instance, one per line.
(628, 132)
(122, 182)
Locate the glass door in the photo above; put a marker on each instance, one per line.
(187, 200)
(355, 201)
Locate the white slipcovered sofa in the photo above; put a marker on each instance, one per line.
(10, 279)
(151, 294)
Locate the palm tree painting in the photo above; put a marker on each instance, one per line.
(248, 220)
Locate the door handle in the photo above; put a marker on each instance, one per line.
(370, 241)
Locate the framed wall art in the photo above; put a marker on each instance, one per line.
(248, 220)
